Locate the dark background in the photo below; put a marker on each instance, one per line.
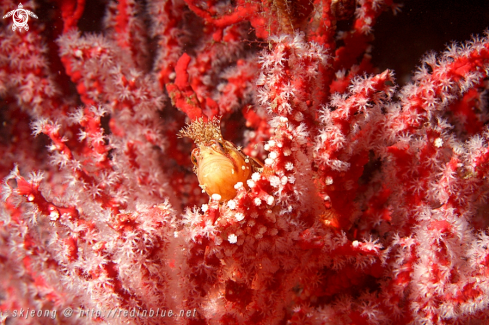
(425, 25)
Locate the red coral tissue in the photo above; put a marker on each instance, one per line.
(371, 206)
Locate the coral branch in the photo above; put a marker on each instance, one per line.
(370, 207)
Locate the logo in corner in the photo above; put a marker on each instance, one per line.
(20, 16)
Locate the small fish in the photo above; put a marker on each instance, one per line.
(218, 164)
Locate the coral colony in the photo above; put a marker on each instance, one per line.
(218, 162)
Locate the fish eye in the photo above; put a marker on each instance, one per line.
(221, 145)
(194, 159)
